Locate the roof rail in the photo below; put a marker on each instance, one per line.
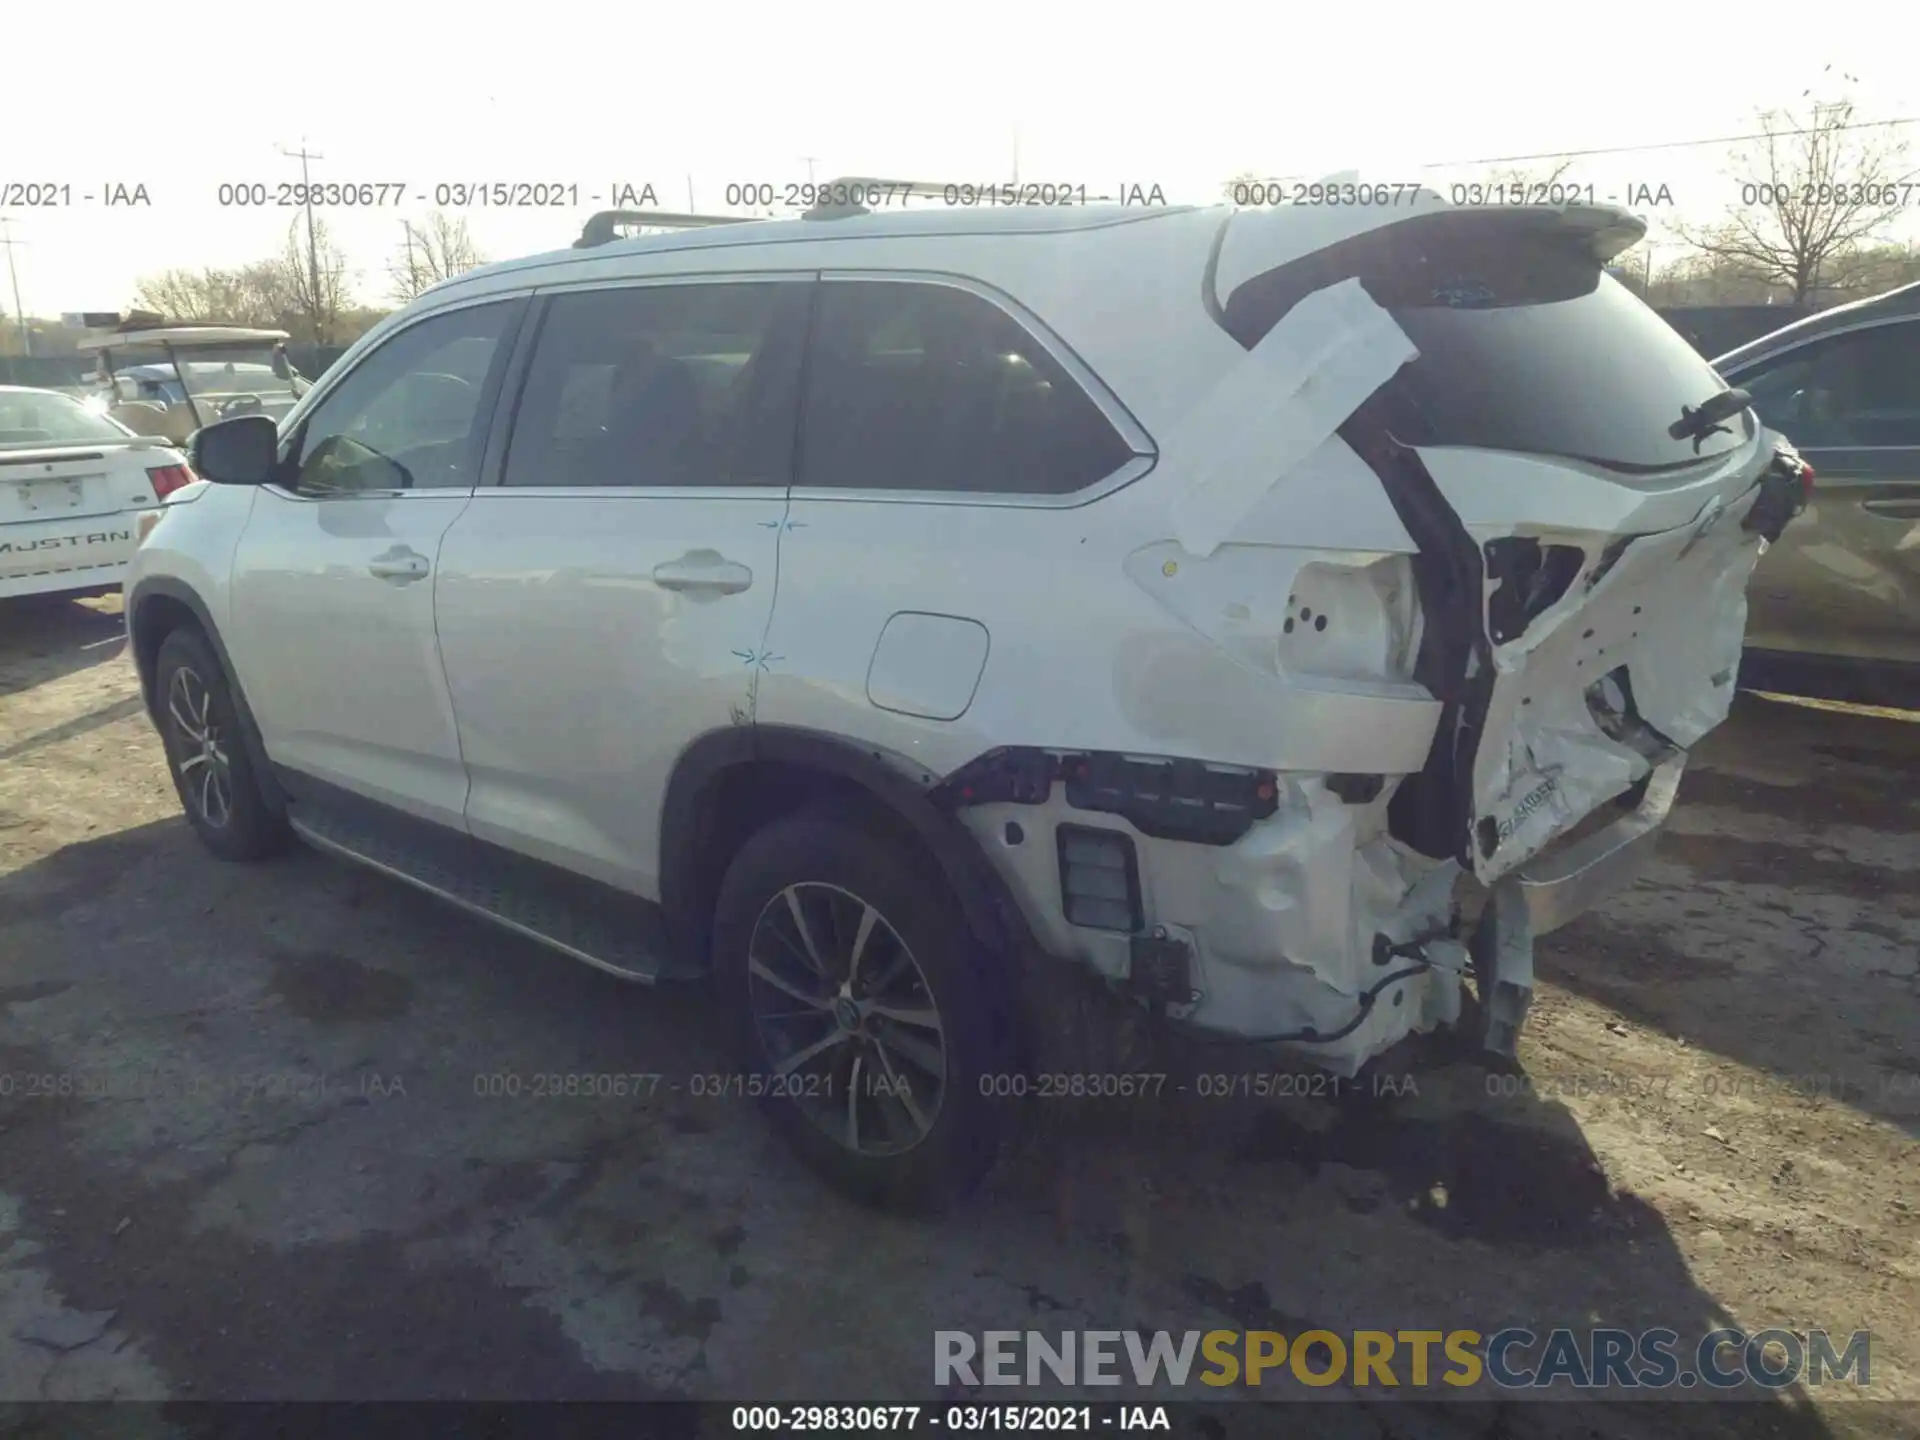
(603, 227)
(858, 189)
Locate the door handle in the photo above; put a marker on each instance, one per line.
(703, 570)
(1907, 508)
(399, 564)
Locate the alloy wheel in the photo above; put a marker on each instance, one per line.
(846, 1019)
(200, 749)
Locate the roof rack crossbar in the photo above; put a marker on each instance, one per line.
(604, 226)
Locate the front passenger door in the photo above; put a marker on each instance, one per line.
(332, 629)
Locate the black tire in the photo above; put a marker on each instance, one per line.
(247, 827)
(824, 855)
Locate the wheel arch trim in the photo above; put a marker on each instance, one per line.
(992, 915)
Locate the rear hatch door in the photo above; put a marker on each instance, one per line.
(1583, 567)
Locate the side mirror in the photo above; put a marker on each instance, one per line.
(241, 451)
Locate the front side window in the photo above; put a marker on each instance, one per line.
(1850, 391)
(917, 386)
(410, 416)
(662, 386)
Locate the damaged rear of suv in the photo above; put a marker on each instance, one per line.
(1465, 500)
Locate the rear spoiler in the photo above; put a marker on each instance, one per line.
(1611, 228)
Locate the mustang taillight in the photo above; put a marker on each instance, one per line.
(166, 479)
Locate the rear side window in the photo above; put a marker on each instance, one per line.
(927, 387)
(1525, 344)
(40, 417)
(662, 385)
(1849, 391)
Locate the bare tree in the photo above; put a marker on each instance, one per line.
(209, 294)
(1813, 198)
(1529, 184)
(312, 284)
(438, 249)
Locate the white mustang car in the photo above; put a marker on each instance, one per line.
(73, 486)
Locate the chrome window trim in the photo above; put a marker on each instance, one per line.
(761, 493)
(1134, 469)
(680, 277)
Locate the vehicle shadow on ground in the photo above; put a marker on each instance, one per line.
(45, 637)
(1450, 1203)
(1779, 925)
(1463, 1202)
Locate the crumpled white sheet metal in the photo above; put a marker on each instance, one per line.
(1271, 411)
(1674, 609)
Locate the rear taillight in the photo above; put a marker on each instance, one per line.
(166, 479)
(1806, 481)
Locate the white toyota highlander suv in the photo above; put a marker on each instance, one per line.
(1284, 615)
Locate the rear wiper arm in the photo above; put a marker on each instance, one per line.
(1697, 424)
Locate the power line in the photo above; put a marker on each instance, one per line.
(1667, 144)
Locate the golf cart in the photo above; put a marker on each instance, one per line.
(170, 378)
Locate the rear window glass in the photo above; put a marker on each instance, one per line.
(1525, 344)
(40, 417)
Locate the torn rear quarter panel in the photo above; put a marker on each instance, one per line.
(1637, 657)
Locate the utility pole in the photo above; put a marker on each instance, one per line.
(1016, 152)
(413, 266)
(313, 248)
(19, 315)
(809, 161)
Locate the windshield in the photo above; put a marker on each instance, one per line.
(34, 418)
(214, 375)
(248, 372)
(1525, 344)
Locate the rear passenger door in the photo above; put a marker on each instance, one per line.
(1844, 579)
(605, 598)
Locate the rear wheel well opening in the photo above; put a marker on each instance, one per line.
(147, 629)
(743, 799)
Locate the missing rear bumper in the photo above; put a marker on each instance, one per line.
(1563, 883)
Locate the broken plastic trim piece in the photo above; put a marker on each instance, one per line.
(1163, 798)
(1783, 494)
(1269, 412)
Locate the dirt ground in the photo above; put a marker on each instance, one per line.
(245, 1149)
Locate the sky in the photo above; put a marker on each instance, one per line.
(697, 98)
